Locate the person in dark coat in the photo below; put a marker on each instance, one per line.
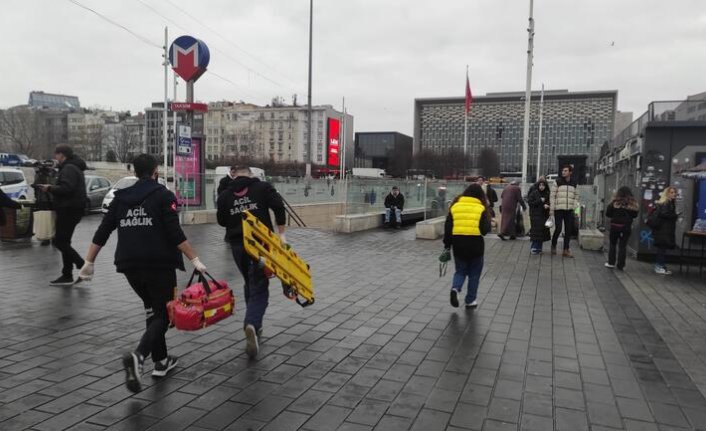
(621, 211)
(538, 201)
(663, 234)
(6, 202)
(394, 204)
(149, 251)
(257, 197)
(510, 198)
(69, 199)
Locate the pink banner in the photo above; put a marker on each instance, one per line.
(189, 178)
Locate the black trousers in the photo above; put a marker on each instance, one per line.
(565, 218)
(155, 287)
(66, 221)
(618, 239)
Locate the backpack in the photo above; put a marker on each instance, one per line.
(652, 220)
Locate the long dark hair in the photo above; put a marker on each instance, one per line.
(623, 193)
(624, 198)
(474, 191)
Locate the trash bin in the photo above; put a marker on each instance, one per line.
(18, 224)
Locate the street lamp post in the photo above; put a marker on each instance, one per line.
(308, 106)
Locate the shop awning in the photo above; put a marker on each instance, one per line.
(698, 172)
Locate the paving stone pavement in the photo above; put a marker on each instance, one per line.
(556, 343)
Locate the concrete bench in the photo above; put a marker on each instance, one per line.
(430, 229)
(198, 216)
(359, 222)
(591, 239)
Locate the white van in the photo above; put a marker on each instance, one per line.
(222, 171)
(13, 183)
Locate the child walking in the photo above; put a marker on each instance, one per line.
(466, 224)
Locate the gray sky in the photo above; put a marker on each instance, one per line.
(379, 54)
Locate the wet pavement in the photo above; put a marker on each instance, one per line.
(556, 343)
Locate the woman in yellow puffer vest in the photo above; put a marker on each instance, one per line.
(466, 224)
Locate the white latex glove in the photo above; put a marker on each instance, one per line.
(200, 267)
(86, 272)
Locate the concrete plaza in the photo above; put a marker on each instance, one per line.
(556, 343)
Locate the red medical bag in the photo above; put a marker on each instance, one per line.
(201, 304)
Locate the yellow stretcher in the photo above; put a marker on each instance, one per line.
(264, 246)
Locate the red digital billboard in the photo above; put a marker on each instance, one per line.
(334, 127)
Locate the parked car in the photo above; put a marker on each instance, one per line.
(96, 189)
(7, 159)
(122, 183)
(13, 183)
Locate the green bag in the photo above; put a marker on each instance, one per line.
(444, 259)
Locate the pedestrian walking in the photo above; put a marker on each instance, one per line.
(466, 224)
(621, 210)
(258, 197)
(666, 224)
(564, 201)
(510, 199)
(538, 201)
(149, 251)
(69, 198)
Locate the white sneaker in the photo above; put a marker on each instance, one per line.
(662, 271)
(473, 304)
(165, 366)
(251, 346)
(607, 265)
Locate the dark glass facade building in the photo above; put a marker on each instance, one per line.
(391, 151)
(575, 125)
(40, 99)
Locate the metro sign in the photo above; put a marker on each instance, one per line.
(189, 57)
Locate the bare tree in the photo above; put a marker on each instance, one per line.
(122, 142)
(21, 131)
(489, 162)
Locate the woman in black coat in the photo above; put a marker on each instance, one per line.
(621, 211)
(538, 201)
(664, 231)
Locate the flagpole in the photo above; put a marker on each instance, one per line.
(539, 137)
(465, 124)
(528, 93)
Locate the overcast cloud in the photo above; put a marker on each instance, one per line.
(379, 54)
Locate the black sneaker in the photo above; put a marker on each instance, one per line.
(164, 366)
(454, 298)
(133, 371)
(251, 347)
(64, 280)
(472, 305)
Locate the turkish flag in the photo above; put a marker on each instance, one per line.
(469, 96)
